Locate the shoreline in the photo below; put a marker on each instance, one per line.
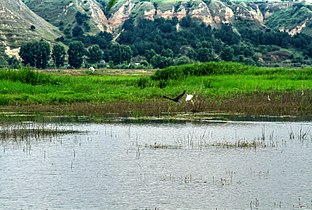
(247, 107)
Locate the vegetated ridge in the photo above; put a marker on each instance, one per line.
(18, 24)
(62, 13)
(293, 17)
(249, 25)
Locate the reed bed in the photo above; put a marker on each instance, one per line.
(28, 130)
(205, 141)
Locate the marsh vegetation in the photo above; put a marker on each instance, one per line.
(217, 87)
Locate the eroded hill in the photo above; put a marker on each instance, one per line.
(19, 24)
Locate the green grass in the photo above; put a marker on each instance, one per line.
(225, 82)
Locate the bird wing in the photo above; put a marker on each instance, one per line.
(172, 99)
(176, 99)
(180, 96)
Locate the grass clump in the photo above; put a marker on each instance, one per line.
(200, 69)
(27, 76)
(22, 131)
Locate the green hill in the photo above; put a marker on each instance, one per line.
(295, 19)
(18, 24)
(62, 14)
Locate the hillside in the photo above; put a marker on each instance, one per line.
(293, 20)
(19, 24)
(62, 13)
(257, 33)
(290, 17)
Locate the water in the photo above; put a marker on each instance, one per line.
(162, 166)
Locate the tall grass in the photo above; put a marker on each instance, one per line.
(215, 86)
(27, 76)
(200, 69)
(225, 68)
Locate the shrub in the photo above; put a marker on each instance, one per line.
(143, 82)
(4, 101)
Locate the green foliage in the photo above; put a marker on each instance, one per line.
(58, 55)
(77, 31)
(36, 54)
(14, 62)
(27, 76)
(149, 54)
(143, 82)
(227, 53)
(120, 53)
(204, 54)
(228, 80)
(167, 53)
(75, 54)
(159, 61)
(3, 55)
(227, 35)
(290, 17)
(111, 3)
(199, 69)
(95, 54)
(81, 18)
(182, 60)
(4, 101)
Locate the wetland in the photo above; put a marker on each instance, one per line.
(109, 140)
(66, 164)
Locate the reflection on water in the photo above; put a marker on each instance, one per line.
(162, 166)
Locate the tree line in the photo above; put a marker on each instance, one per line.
(160, 43)
(38, 54)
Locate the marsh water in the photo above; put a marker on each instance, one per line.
(211, 165)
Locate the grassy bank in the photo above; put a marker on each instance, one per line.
(217, 87)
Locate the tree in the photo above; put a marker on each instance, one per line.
(204, 54)
(44, 52)
(186, 21)
(227, 53)
(75, 54)
(58, 55)
(26, 53)
(126, 53)
(95, 54)
(81, 18)
(182, 60)
(120, 53)
(77, 31)
(35, 54)
(149, 54)
(13, 62)
(227, 35)
(159, 61)
(167, 53)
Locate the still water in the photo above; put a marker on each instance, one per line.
(229, 165)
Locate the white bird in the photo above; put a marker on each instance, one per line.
(269, 99)
(92, 69)
(188, 97)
